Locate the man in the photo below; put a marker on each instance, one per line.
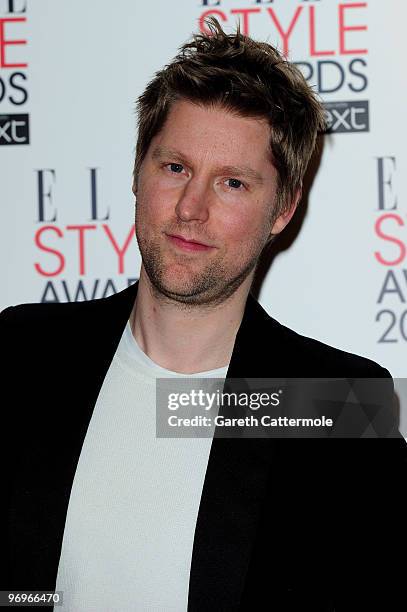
(118, 519)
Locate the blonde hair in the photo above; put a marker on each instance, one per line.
(248, 78)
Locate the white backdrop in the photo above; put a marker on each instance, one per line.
(73, 70)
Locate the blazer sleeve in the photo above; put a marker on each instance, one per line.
(8, 429)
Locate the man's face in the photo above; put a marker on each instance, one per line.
(206, 177)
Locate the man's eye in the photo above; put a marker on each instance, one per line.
(235, 183)
(177, 168)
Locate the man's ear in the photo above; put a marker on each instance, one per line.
(135, 181)
(285, 217)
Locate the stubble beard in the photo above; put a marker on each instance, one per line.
(209, 287)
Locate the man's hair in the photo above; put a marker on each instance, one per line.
(249, 79)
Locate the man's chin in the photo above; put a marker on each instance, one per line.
(180, 289)
(193, 292)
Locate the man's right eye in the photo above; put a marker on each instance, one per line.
(177, 168)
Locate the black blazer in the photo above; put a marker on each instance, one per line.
(283, 525)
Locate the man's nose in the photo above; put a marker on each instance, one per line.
(194, 201)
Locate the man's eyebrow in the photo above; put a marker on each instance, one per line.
(160, 152)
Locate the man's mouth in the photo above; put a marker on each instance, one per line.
(188, 244)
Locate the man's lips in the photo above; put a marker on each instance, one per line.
(188, 245)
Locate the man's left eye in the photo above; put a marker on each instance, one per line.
(235, 183)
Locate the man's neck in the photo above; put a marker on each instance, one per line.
(186, 340)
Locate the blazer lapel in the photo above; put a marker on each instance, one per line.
(234, 489)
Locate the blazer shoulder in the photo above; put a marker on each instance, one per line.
(39, 309)
(327, 357)
(33, 317)
(38, 312)
(67, 323)
(30, 313)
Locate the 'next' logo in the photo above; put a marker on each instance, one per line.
(14, 129)
(347, 116)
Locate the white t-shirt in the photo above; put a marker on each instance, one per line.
(128, 537)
